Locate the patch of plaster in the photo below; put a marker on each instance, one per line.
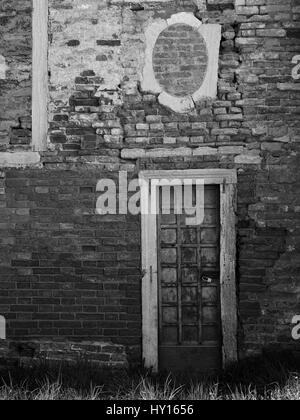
(180, 105)
(212, 36)
(187, 18)
(89, 24)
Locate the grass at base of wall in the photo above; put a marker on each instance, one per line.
(273, 376)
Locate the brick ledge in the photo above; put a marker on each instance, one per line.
(103, 354)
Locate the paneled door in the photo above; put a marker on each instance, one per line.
(189, 309)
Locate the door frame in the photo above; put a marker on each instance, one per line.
(40, 82)
(227, 180)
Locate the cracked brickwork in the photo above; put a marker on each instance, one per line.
(67, 274)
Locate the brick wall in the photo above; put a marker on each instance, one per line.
(68, 274)
(15, 78)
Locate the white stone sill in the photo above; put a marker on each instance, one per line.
(19, 159)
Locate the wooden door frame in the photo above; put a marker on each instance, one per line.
(227, 180)
(40, 90)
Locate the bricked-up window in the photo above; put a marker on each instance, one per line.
(181, 61)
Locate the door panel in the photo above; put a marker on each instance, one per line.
(189, 289)
(189, 359)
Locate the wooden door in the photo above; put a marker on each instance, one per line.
(190, 337)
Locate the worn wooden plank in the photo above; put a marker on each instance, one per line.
(228, 273)
(199, 285)
(149, 283)
(40, 75)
